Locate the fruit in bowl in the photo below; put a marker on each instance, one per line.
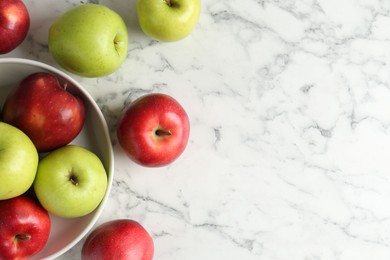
(42, 108)
(154, 130)
(18, 161)
(25, 228)
(14, 24)
(94, 136)
(89, 40)
(71, 181)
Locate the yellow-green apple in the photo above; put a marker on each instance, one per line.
(89, 40)
(153, 130)
(42, 108)
(14, 24)
(24, 228)
(168, 20)
(118, 239)
(18, 162)
(71, 181)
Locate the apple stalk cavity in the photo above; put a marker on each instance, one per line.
(73, 179)
(22, 237)
(168, 2)
(162, 133)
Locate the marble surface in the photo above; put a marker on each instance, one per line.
(289, 103)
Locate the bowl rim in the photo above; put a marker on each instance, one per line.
(110, 166)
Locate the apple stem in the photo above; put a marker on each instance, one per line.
(22, 237)
(162, 133)
(73, 179)
(168, 2)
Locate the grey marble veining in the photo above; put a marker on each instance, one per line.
(289, 103)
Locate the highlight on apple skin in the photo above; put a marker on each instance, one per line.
(154, 130)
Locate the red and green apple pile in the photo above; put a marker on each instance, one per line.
(39, 167)
(41, 171)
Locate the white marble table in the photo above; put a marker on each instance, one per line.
(289, 151)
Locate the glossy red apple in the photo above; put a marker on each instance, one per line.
(120, 239)
(154, 130)
(14, 24)
(43, 109)
(24, 228)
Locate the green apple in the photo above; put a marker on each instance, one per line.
(18, 162)
(168, 20)
(71, 181)
(89, 40)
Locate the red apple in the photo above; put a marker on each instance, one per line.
(154, 130)
(24, 228)
(118, 239)
(43, 109)
(14, 24)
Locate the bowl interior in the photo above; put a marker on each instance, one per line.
(65, 233)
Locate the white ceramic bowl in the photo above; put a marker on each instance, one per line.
(65, 233)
